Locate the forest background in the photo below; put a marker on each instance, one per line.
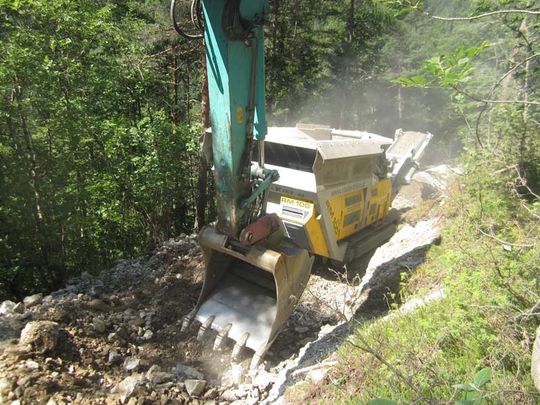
(100, 111)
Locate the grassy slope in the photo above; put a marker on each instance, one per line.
(484, 321)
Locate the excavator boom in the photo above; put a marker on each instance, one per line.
(254, 275)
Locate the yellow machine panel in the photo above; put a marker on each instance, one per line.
(379, 201)
(346, 211)
(305, 214)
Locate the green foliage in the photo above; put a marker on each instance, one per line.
(95, 158)
(446, 70)
(320, 58)
(472, 346)
(472, 393)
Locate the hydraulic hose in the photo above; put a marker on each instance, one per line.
(195, 17)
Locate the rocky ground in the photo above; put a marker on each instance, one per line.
(115, 337)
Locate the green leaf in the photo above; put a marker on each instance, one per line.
(482, 377)
(473, 396)
(465, 387)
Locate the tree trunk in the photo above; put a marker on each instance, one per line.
(202, 200)
(38, 213)
(175, 116)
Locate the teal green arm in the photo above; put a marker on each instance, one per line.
(235, 62)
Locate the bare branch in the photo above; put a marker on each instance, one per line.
(512, 70)
(483, 100)
(475, 17)
(495, 86)
(366, 348)
(503, 242)
(511, 102)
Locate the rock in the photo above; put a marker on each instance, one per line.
(131, 363)
(153, 369)
(7, 308)
(156, 376)
(135, 321)
(188, 372)
(33, 300)
(301, 329)
(211, 393)
(42, 336)
(99, 325)
(115, 357)
(32, 365)
(317, 376)
(232, 394)
(5, 387)
(148, 334)
(127, 386)
(195, 387)
(19, 308)
(98, 305)
(251, 401)
(96, 290)
(535, 361)
(263, 380)
(133, 401)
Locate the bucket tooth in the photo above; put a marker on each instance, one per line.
(205, 326)
(257, 357)
(222, 335)
(238, 346)
(186, 321)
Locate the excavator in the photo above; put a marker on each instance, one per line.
(284, 195)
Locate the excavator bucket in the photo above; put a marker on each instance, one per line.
(248, 292)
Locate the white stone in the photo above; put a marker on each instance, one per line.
(33, 300)
(148, 334)
(127, 386)
(31, 364)
(535, 361)
(131, 363)
(317, 376)
(6, 308)
(195, 387)
(263, 380)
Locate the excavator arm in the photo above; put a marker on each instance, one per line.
(254, 275)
